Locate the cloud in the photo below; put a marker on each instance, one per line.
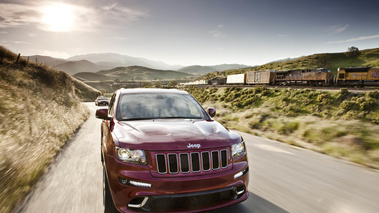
(282, 35)
(217, 32)
(354, 39)
(86, 18)
(337, 28)
(14, 15)
(21, 42)
(120, 13)
(109, 6)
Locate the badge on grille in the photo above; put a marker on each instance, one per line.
(193, 146)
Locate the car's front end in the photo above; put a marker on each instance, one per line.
(173, 175)
(162, 152)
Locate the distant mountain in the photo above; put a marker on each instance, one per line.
(197, 69)
(47, 60)
(117, 60)
(92, 63)
(133, 73)
(73, 67)
(89, 76)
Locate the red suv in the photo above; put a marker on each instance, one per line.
(162, 152)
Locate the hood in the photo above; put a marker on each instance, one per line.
(173, 134)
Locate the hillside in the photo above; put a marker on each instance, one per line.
(117, 60)
(91, 63)
(73, 67)
(142, 73)
(331, 61)
(197, 69)
(341, 123)
(40, 108)
(47, 60)
(89, 76)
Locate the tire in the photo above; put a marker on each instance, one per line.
(107, 198)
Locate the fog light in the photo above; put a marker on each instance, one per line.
(239, 174)
(139, 184)
(133, 183)
(123, 181)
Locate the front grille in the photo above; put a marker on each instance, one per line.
(192, 162)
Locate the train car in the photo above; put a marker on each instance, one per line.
(218, 81)
(315, 77)
(236, 79)
(357, 76)
(261, 77)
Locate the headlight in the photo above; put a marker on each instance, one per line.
(131, 155)
(238, 149)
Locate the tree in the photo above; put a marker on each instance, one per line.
(172, 84)
(158, 84)
(352, 52)
(146, 85)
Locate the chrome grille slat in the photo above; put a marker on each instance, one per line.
(191, 162)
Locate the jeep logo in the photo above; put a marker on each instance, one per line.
(193, 146)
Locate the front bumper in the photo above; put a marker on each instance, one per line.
(181, 194)
(205, 200)
(102, 103)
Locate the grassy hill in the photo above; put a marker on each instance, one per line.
(89, 76)
(202, 70)
(331, 61)
(340, 123)
(142, 73)
(73, 67)
(40, 108)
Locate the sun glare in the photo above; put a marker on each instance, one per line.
(58, 17)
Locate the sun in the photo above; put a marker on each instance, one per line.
(58, 17)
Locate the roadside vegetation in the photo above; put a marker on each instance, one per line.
(40, 108)
(342, 124)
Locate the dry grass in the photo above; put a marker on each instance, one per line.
(36, 132)
(39, 111)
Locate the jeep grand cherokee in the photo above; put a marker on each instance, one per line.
(162, 152)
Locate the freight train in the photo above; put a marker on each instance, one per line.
(356, 76)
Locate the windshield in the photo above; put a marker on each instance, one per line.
(159, 106)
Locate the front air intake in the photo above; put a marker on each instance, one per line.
(192, 162)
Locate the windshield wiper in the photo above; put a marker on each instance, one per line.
(137, 119)
(179, 117)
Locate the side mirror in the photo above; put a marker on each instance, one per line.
(211, 111)
(102, 114)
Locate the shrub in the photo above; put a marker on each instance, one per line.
(366, 103)
(373, 94)
(323, 98)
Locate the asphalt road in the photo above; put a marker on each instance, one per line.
(283, 178)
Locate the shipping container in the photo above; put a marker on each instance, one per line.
(236, 79)
(260, 77)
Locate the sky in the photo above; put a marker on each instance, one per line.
(189, 32)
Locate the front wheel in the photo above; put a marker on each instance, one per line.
(107, 198)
